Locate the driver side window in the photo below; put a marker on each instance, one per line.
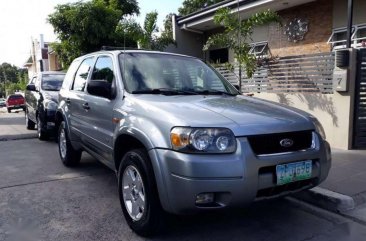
(103, 70)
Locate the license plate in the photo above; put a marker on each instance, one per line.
(293, 172)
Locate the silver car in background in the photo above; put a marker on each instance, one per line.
(181, 138)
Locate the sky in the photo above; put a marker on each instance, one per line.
(22, 20)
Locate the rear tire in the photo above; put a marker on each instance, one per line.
(29, 123)
(69, 156)
(138, 194)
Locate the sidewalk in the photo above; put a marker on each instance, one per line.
(344, 190)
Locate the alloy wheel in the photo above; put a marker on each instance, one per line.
(133, 193)
(62, 143)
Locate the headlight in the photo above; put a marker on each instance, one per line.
(203, 140)
(50, 105)
(318, 127)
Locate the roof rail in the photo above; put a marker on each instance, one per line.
(118, 48)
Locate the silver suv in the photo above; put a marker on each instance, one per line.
(181, 138)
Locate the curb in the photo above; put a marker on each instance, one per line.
(17, 137)
(327, 199)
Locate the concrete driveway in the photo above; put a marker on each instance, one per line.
(40, 199)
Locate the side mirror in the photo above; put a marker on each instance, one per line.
(237, 87)
(31, 87)
(100, 88)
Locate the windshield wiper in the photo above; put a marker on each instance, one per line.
(164, 91)
(215, 92)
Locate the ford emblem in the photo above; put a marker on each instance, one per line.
(286, 142)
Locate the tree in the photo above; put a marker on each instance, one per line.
(84, 27)
(12, 78)
(147, 36)
(237, 35)
(190, 6)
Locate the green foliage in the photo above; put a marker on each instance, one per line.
(125, 6)
(168, 26)
(12, 79)
(237, 35)
(190, 6)
(147, 37)
(84, 27)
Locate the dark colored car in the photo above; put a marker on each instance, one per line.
(41, 98)
(15, 101)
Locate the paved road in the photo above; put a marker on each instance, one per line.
(40, 199)
(12, 125)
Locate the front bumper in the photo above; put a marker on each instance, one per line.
(48, 120)
(236, 179)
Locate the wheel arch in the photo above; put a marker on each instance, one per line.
(123, 144)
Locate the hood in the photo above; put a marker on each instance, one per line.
(254, 116)
(243, 115)
(53, 95)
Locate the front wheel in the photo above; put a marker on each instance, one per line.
(138, 193)
(69, 156)
(29, 123)
(42, 134)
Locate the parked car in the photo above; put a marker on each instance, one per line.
(41, 97)
(181, 138)
(2, 102)
(15, 101)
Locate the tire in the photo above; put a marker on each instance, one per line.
(42, 134)
(69, 156)
(29, 124)
(148, 220)
(9, 110)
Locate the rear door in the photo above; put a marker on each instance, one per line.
(99, 114)
(76, 96)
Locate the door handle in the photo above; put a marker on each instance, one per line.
(86, 106)
(67, 101)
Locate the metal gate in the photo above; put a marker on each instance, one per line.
(359, 130)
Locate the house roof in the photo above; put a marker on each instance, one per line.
(202, 20)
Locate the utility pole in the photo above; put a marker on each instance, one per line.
(349, 23)
(4, 82)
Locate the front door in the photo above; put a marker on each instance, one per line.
(99, 114)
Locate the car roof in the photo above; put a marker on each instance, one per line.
(117, 52)
(49, 72)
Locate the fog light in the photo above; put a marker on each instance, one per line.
(204, 198)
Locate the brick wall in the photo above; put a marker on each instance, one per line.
(319, 14)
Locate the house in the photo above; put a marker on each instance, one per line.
(307, 65)
(42, 58)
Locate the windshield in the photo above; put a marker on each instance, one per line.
(152, 73)
(52, 82)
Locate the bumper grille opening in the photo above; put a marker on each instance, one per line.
(277, 190)
(271, 143)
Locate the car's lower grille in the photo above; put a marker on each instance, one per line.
(277, 190)
(280, 142)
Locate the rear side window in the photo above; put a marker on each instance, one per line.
(103, 70)
(69, 77)
(82, 75)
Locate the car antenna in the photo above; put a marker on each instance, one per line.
(124, 58)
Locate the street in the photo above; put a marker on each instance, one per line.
(40, 199)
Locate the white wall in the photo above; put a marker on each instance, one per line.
(188, 43)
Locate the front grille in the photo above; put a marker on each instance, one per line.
(270, 143)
